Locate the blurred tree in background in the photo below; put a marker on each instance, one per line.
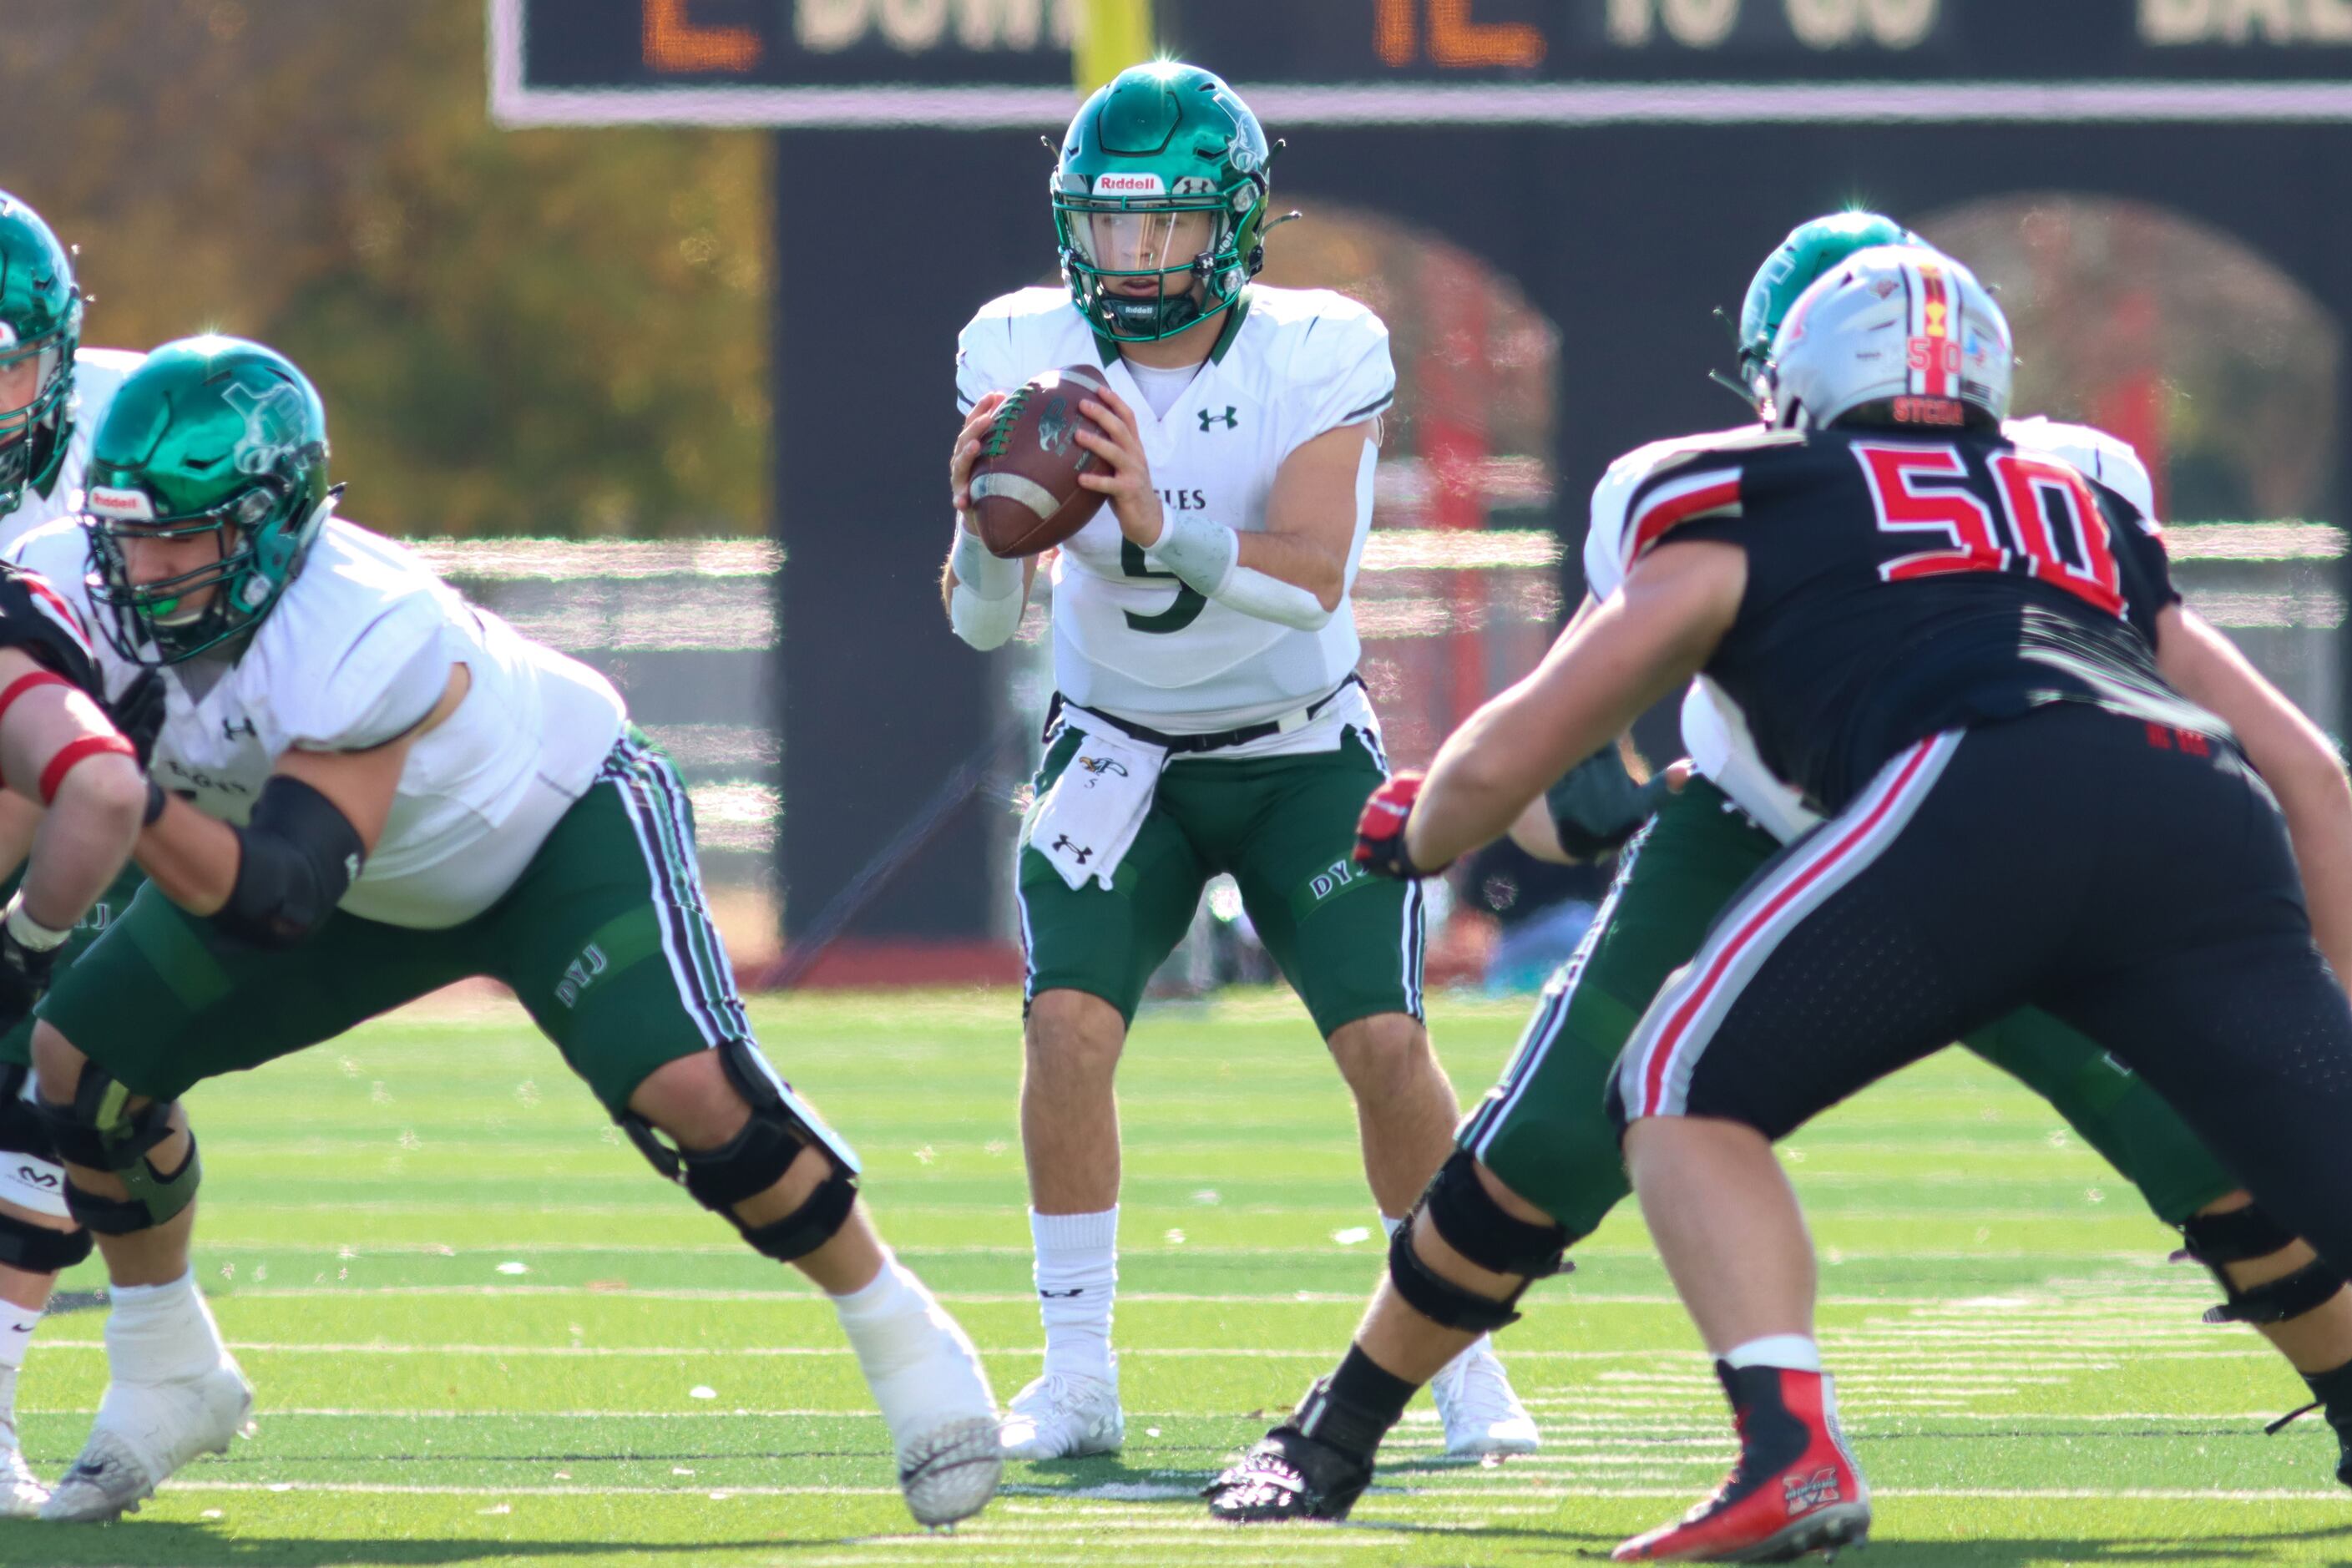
(544, 332)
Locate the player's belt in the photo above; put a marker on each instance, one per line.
(1215, 740)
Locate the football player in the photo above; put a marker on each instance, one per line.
(1209, 717)
(2045, 720)
(377, 789)
(53, 391)
(1539, 1145)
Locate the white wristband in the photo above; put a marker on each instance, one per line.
(30, 932)
(979, 568)
(1201, 553)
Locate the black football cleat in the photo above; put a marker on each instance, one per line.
(1288, 1475)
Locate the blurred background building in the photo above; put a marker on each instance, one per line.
(674, 284)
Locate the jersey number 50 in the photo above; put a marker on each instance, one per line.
(2049, 525)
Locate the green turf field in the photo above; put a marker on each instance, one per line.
(482, 1332)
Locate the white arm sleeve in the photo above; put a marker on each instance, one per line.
(985, 605)
(1207, 556)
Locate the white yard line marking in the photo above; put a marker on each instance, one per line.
(1989, 1494)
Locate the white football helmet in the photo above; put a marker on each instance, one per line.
(1900, 332)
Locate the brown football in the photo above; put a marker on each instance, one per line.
(1025, 495)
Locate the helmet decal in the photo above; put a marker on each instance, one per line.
(273, 427)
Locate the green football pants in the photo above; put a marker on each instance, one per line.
(1545, 1130)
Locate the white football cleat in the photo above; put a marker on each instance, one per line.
(943, 1420)
(1482, 1416)
(1065, 1416)
(145, 1432)
(21, 1491)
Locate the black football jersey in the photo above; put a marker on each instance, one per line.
(39, 619)
(1900, 585)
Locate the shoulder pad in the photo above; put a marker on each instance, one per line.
(1614, 542)
(1015, 336)
(2106, 460)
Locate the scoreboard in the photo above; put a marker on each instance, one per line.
(982, 63)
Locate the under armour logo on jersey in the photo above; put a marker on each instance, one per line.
(230, 731)
(1231, 419)
(1079, 852)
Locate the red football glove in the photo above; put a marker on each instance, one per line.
(1380, 831)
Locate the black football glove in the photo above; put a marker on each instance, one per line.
(1596, 806)
(23, 976)
(139, 713)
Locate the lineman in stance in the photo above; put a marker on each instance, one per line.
(1539, 1153)
(52, 392)
(1205, 650)
(377, 789)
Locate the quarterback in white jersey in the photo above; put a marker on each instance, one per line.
(368, 789)
(1209, 717)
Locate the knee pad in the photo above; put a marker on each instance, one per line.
(756, 1158)
(1474, 1226)
(2241, 1235)
(36, 1249)
(99, 1131)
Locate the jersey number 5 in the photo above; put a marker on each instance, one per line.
(1180, 612)
(2049, 525)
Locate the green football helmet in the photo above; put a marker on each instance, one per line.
(1811, 250)
(211, 435)
(1160, 141)
(40, 321)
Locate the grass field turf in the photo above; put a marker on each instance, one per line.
(482, 1332)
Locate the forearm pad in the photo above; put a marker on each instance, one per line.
(1206, 556)
(297, 859)
(985, 605)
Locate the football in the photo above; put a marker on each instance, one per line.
(1025, 495)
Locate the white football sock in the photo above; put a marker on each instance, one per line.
(158, 1333)
(1078, 1276)
(1790, 1352)
(887, 1320)
(16, 1326)
(895, 1326)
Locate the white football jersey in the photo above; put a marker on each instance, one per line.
(356, 653)
(1128, 639)
(1714, 730)
(98, 375)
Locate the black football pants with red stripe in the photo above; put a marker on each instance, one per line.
(2134, 880)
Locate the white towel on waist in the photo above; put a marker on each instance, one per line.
(1091, 815)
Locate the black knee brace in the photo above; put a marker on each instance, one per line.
(1474, 1225)
(2241, 1235)
(37, 1250)
(100, 1132)
(754, 1160)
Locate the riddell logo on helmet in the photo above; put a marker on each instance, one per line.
(1129, 185)
(129, 506)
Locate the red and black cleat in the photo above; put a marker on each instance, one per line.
(1795, 1489)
